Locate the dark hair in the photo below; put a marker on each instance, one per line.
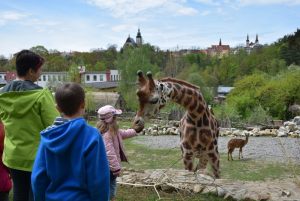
(69, 97)
(26, 60)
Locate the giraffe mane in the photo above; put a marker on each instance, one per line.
(182, 82)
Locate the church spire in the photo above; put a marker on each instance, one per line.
(256, 39)
(247, 41)
(220, 42)
(139, 39)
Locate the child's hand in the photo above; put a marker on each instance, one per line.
(138, 124)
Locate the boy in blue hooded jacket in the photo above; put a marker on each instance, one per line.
(71, 162)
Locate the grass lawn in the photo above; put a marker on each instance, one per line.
(141, 157)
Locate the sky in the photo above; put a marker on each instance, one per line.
(85, 25)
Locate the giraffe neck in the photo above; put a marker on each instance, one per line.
(191, 99)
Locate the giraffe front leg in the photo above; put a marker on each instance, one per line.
(202, 164)
(187, 159)
(214, 160)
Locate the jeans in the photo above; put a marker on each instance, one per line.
(21, 185)
(113, 186)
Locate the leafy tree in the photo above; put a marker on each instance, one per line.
(244, 95)
(174, 64)
(290, 48)
(99, 66)
(41, 50)
(129, 62)
(281, 92)
(3, 63)
(73, 74)
(227, 115)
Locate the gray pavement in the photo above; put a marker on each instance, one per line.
(258, 148)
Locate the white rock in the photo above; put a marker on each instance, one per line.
(221, 192)
(197, 188)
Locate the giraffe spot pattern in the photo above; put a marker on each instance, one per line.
(193, 105)
(189, 120)
(205, 120)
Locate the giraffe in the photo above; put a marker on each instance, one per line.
(199, 129)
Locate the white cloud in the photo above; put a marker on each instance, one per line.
(124, 27)
(7, 16)
(209, 2)
(205, 13)
(12, 15)
(129, 8)
(268, 2)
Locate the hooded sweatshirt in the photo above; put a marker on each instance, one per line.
(71, 164)
(25, 110)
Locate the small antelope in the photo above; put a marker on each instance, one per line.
(237, 143)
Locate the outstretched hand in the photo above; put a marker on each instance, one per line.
(138, 124)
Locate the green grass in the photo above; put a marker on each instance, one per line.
(142, 157)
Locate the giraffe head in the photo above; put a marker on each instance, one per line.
(152, 95)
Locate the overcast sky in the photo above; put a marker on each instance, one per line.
(83, 25)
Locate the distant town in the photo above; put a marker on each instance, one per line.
(110, 78)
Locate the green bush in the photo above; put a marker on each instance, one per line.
(258, 116)
(227, 115)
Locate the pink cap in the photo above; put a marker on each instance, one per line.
(108, 111)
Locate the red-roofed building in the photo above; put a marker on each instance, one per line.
(218, 50)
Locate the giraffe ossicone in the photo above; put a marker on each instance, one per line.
(199, 129)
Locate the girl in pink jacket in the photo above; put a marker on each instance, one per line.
(113, 140)
(5, 181)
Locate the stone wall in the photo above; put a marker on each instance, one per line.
(288, 129)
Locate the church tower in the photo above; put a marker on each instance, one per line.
(256, 39)
(247, 41)
(220, 42)
(139, 39)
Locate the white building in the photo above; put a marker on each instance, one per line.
(48, 78)
(52, 78)
(90, 77)
(114, 75)
(3, 75)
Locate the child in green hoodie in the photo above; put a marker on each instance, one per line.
(25, 110)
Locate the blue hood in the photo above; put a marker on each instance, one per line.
(58, 138)
(71, 163)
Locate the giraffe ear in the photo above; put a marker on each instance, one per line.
(141, 79)
(151, 81)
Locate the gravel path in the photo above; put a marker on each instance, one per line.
(259, 148)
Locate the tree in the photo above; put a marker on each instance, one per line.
(290, 48)
(41, 50)
(129, 62)
(73, 74)
(245, 93)
(280, 93)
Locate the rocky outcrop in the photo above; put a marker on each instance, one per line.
(288, 129)
(169, 180)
